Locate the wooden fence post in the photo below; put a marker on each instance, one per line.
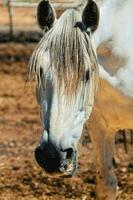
(8, 4)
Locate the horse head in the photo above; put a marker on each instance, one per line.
(66, 68)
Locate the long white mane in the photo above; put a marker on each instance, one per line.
(70, 52)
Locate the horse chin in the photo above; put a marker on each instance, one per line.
(65, 173)
(70, 171)
(71, 167)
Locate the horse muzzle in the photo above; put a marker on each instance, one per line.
(56, 162)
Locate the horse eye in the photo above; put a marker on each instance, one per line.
(41, 72)
(87, 75)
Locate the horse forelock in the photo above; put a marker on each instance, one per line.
(70, 51)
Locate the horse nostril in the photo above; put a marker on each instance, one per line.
(69, 152)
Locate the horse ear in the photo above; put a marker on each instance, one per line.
(45, 14)
(90, 15)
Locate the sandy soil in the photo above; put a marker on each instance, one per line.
(20, 176)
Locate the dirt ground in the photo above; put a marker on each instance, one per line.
(20, 176)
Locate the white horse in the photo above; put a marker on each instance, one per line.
(66, 68)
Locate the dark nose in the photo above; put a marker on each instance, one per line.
(52, 159)
(48, 157)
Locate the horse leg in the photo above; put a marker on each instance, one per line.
(105, 178)
(106, 183)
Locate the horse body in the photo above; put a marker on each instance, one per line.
(111, 112)
(117, 110)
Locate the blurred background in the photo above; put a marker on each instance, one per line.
(20, 126)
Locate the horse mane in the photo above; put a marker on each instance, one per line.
(71, 54)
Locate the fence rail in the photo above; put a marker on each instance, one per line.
(57, 6)
(10, 4)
